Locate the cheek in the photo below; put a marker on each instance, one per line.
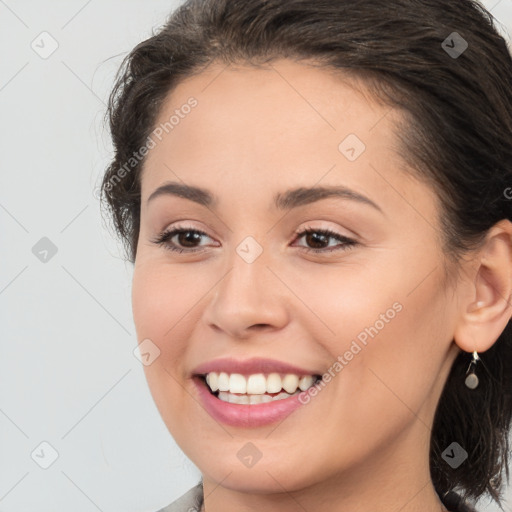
(390, 337)
(161, 302)
(162, 309)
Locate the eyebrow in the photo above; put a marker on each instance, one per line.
(292, 198)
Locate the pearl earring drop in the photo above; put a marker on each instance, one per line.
(471, 377)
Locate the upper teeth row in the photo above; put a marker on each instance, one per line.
(258, 383)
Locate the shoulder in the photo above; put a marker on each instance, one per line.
(190, 502)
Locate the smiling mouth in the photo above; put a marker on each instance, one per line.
(258, 388)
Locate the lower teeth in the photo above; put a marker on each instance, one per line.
(253, 399)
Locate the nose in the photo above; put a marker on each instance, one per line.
(248, 299)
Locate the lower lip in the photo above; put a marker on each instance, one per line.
(242, 415)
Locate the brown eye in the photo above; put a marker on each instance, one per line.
(186, 237)
(319, 239)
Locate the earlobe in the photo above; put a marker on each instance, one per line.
(485, 315)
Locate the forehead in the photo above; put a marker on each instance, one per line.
(287, 120)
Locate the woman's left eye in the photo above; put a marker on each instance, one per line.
(321, 235)
(186, 236)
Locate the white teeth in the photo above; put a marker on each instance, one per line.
(252, 399)
(304, 383)
(237, 383)
(274, 384)
(239, 399)
(223, 396)
(223, 381)
(213, 381)
(259, 399)
(290, 383)
(257, 385)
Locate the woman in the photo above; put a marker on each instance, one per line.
(316, 199)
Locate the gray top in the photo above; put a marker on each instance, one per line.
(192, 500)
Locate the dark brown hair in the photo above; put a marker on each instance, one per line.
(458, 138)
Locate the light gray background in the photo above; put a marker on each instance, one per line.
(68, 376)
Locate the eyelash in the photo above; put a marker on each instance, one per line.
(164, 239)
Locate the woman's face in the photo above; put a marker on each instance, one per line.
(371, 314)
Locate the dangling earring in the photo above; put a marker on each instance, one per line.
(471, 378)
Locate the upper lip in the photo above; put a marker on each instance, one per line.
(250, 366)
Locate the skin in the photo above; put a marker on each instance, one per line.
(362, 443)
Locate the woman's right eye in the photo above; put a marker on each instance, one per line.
(165, 239)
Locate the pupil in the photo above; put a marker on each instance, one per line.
(187, 235)
(317, 236)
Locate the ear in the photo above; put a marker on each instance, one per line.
(487, 306)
